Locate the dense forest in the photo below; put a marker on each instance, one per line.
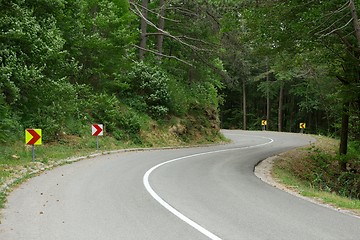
(134, 65)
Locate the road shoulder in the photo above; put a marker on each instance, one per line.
(263, 170)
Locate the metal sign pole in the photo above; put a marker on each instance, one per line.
(33, 153)
(97, 143)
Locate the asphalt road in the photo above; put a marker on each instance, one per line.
(192, 193)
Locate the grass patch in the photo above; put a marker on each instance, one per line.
(2, 199)
(333, 199)
(315, 172)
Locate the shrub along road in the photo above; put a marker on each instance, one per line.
(193, 193)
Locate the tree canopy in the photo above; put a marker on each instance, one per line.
(128, 64)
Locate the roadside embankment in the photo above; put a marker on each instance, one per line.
(313, 172)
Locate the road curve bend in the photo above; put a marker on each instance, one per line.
(191, 193)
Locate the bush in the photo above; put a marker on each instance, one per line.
(151, 83)
(120, 121)
(324, 171)
(49, 106)
(179, 98)
(9, 124)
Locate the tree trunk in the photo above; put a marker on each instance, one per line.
(344, 134)
(267, 97)
(280, 111)
(268, 111)
(355, 21)
(291, 113)
(344, 129)
(161, 25)
(143, 30)
(244, 105)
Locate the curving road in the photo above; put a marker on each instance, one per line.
(192, 193)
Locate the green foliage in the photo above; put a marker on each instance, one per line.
(66, 64)
(324, 171)
(2, 199)
(48, 47)
(9, 124)
(206, 94)
(293, 44)
(320, 168)
(233, 118)
(49, 106)
(179, 98)
(121, 122)
(151, 85)
(33, 68)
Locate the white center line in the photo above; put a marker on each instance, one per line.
(172, 209)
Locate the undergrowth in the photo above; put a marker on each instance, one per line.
(320, 167)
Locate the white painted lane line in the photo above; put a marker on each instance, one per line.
(172, 209)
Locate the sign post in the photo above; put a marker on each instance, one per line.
(33, 153)
(302, 127)
(33, 137)
(263, 124)
(97, 130)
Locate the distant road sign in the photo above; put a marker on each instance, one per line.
(33, 137)
(97, 129)
(302, 125)
(263, 123)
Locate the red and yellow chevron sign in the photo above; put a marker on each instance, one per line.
(33, 137)
(302, 125)
(263, 123)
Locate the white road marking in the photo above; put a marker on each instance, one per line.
(172, 209)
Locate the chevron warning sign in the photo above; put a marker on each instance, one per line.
(33, 137)
(97, 129)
